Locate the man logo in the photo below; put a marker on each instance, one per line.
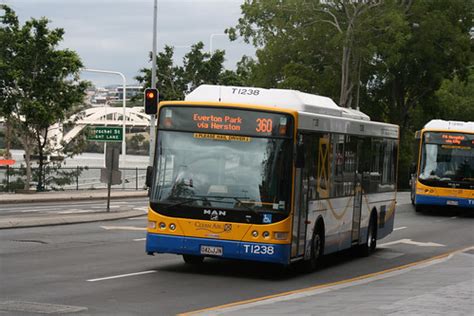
(214, 214)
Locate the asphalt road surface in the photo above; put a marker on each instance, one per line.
(73, 207)
(102, 269)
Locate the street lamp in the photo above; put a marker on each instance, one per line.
(211, 37)
(124, 103)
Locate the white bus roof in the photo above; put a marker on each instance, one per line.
(281, 98)
(449, 125)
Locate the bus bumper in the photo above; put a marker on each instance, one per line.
(274, 253)
(443, 201)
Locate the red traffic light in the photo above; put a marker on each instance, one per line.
(150, 95)
(151, 101)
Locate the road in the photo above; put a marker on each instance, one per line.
(101, 268)
(73, 207)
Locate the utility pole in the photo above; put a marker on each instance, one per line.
(153, 85)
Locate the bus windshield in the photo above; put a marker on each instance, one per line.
(222, 171)
(447, 157)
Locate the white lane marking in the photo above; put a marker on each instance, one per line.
(144, 209)
(139, 239)
(123, 228)
(73, 211)
(137, 218)
(411, 242)
(121, 276)
(399, 228)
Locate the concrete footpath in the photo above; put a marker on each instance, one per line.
(45, 219)
(439, 286)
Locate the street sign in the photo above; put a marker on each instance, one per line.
(105, 134)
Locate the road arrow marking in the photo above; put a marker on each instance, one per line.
(123, 228)
(411, 242)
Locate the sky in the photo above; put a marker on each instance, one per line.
(117, 35)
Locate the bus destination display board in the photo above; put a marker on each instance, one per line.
(455, 139)
(225, 121)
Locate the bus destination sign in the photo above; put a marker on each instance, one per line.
(454, 139)
(225, 121)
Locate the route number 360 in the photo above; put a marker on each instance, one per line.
(264, 125)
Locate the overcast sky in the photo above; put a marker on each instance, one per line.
(117, 34)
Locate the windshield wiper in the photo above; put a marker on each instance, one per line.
(203, 199)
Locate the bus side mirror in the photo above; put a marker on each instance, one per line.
(149, 176)
(299, 163)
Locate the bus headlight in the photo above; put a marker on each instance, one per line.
(172, 226)
(255, 233)
(280, 235)
(162, 225)
(152, 224)
(265, 234)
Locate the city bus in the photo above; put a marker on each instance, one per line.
(443, 171)
(269, 175)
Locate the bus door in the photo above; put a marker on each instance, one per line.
(301, 198)
(354, 145)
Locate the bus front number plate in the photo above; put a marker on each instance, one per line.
(211, 250)
(450, 202)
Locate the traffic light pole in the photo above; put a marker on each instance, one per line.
(153, 85)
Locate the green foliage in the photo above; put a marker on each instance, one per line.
(138, 145)
(41, 84)
(199, 67)
(394, 59)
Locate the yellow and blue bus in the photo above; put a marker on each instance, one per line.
(269, 175)
(443, 174)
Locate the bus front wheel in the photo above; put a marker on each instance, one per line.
(317, 244)
(191, 259)
(418, 208)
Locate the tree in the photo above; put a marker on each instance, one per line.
(302, 41)
(392, 55)
(430, 44)
(199, 67)
(43, 85)
(170, 81)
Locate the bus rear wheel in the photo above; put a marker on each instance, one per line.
(192, 259)
(371, 243)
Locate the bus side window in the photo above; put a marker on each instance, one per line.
(311, 154)
(350, 159)
(337, 174)
(364, 163)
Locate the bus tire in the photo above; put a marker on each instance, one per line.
(192, 259)
(317, 248)
(370, 244)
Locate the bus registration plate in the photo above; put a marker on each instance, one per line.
(451, 202)
(211, 250)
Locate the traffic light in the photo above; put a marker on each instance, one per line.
(151, 100)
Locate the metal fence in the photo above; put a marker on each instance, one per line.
(78, 178)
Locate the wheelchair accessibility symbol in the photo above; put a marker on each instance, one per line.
(267, 218)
